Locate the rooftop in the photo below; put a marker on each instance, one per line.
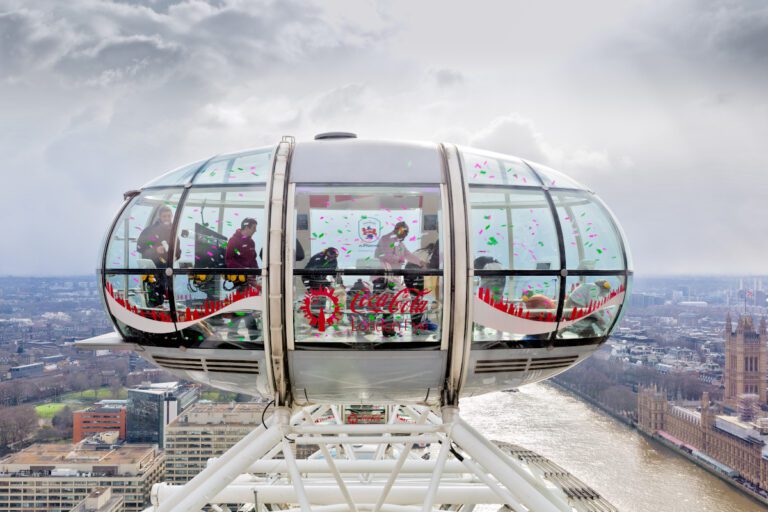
(68, 455)
(217, 413)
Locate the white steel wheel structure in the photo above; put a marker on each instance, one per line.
(376, 273)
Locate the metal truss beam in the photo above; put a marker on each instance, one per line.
(421, 460)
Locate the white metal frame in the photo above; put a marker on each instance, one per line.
(420, 460)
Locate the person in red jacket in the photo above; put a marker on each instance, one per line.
(241, 253)
(241, 250)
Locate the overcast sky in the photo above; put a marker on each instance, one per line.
(660, 107)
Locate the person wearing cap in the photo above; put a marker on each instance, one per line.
(241, 249)
(325, 259)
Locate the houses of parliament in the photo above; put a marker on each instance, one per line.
(731, 443)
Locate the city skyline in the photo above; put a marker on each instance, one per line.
(660, 111)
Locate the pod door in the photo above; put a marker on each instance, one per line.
(366, 299)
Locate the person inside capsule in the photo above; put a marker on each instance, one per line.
(153, 244)
(393, 254)
(241, 253)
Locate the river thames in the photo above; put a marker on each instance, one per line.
(632, 473)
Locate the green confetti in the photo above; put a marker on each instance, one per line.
(487, 227)
(599, 251)
(541, 244)
(492, 241)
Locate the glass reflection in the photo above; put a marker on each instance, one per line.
(140, 304)
(368, 227)
(367, 309)
(517, 308)
(513, 229)
(248, 167)
(142, 235)
(219, 311)
(221, 228)
(590, 236)
(485, 167)
(591, 306)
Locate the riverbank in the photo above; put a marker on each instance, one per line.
(660, 440)
(610, 412)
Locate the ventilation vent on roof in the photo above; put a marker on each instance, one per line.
(335, 135)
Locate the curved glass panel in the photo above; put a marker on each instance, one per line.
(141, 238)
(592, 241)
(513, 229)
(553, 178)
(219, 311)
(216, 228)
(591, 306)
(180, 176)
(248, 167)
(485, 167)
(372, 268)
(520, 309)
(140, 305)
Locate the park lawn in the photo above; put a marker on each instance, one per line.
(218, 396)
(93, 394)
(48, 411)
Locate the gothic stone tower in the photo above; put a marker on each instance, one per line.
(746, 360)
(651, 408)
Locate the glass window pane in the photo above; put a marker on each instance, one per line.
(180, 176)
(368, 227)
(522, 309)
(553, 178)
(214, 232)
(220, 311)
(363, 310)
(513, 229)
(591, 305)
(142, 236)
(496, 169)
(248, 167)
(139, 303)
(591, 238)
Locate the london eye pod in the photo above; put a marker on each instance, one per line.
(342, 270)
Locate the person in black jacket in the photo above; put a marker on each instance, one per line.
(326, 260)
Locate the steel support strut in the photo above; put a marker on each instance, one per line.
(355, 468)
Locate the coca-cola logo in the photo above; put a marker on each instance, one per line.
(314, 308)
(407, 300)
(323, 308)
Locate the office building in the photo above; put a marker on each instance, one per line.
(203, 431)
(98, 419)
(152, 406)
(57, 477)
(101, 499)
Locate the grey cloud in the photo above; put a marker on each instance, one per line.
(29, 39)
(446, 77)
(124, 58)
(739, 29)
(102, 43)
